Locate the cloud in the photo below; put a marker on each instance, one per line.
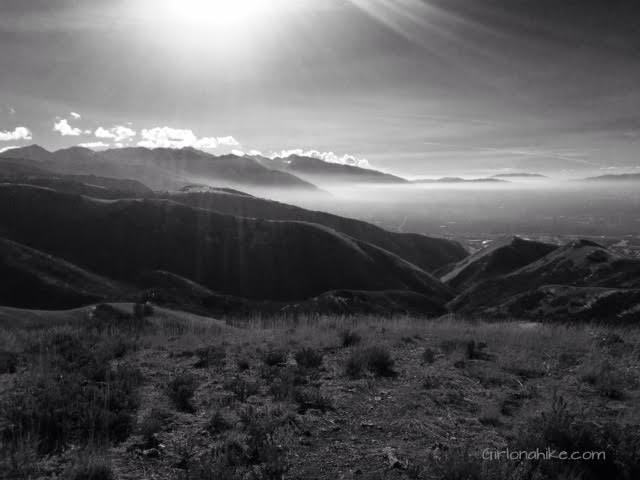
(75, 115)
(5, 149)
(118, 133)
(328, 157)
(62, 126)
(167, 137)
(93, 145)
(12, 111)
(18, 133)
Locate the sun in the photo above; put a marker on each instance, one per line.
(219, 13)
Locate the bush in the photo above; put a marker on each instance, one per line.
(311, 399)
(243, 364)
(375, 359)
(218, 423)
(308, 358)
(181, 390)
(379, 362)
(608, 381)
(283, 384)
(8, 362)
(559, 429)
(475, 351)
(77, 397)
(428, 356)
(242, 388)
(208, 356)
(355, 365)
(275, 357)
(349, 338)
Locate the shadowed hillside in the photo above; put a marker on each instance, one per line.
(425, 252)
(250, 258)
(33, 279)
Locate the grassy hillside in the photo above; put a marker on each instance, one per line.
(172, 396)
(580, 263)
(426, 252)
(33, 279)
(256, 259)
(499, 258)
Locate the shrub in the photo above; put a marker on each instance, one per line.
(218, 423)
(283, 384)
(308, 358)
(349, 338)
(375, 359)
(208, 356)
(379, 362)
(558, 428)
(428, 356)
(74, 400)
(355, 365)
(608, 381)
(275, 357)
(243, 364)
(475, 351)
(8, 362)
(181, 390)
(90, 469)
(242, 388)
(311, 398)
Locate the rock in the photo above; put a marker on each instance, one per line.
(394, 461)
(151, 453)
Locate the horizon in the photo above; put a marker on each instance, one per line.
(410, 87)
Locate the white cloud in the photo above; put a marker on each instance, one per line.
(228, 141)
(75, 115)
(167, 137)
(18, 133)
(118, 133)
(93, 145)
(4, 149)
(62, 126)
(328, 157)
(251, 153)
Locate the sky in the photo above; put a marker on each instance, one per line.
(414, 87)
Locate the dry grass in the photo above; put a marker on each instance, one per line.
(270, 397)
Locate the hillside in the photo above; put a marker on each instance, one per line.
(245, 257)
(499, 258)
(565, 303)
(33, 279)
(580, 263)
(321, 172)
(426, 252)
(321, 398)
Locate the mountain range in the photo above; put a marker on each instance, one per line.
(72, 233)
(170, 169)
